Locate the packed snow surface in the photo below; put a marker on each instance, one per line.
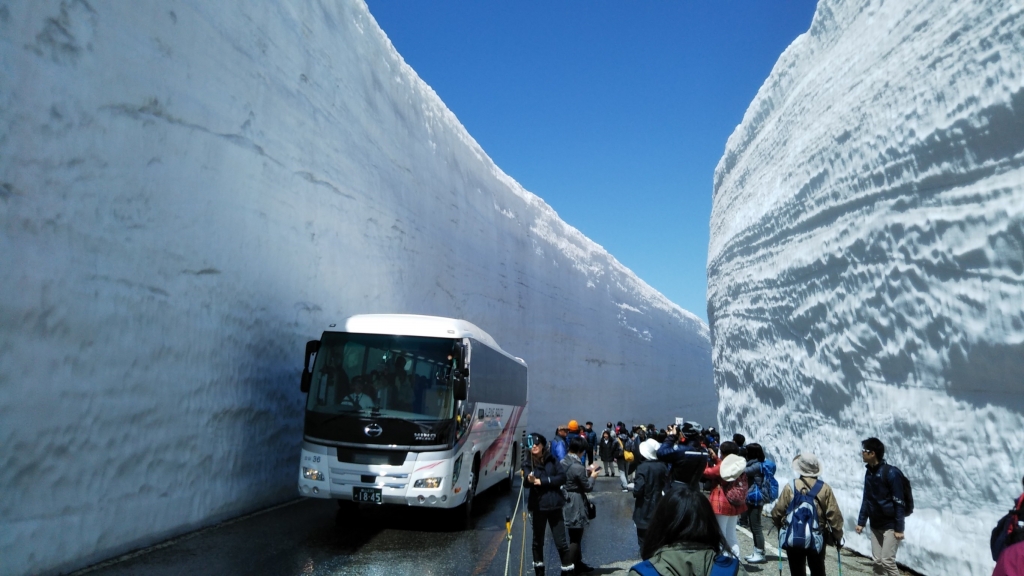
(191, 190)
(866, 262)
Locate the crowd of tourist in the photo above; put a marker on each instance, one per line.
(691, 490)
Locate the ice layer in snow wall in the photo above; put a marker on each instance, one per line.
(191, 190)
(866, 263)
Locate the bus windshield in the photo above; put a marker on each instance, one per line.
(405, 377)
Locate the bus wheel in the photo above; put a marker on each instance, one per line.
(510, 481)
(464, 513)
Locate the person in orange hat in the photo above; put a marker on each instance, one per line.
(576, 431)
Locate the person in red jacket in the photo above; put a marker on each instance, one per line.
(729, 495)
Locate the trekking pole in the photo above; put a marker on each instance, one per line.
(779, 551)
(839, 557)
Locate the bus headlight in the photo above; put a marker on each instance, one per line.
(311, 474)
(427, 483)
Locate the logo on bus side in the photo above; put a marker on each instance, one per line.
(373, 430)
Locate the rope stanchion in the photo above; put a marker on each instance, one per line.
(508, 529)
(510, 520)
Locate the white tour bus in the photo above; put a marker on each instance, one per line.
(412, 410)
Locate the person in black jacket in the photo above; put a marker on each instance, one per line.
(650, 480)
(544, 477)
(683, 451)
(606, 451)
(883, 505)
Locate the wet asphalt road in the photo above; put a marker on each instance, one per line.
(303, 538)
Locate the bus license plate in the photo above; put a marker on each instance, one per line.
(370, 495)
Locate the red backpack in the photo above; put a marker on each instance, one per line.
(736, 491)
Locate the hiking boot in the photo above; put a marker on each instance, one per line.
(756, 558)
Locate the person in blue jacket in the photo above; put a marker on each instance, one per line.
(559, 444)
(882, 505)
(544, 477)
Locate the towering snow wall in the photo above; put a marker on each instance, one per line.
(191, 190)
(866, 265)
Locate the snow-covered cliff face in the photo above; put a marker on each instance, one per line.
(866, 265)
(191, 190)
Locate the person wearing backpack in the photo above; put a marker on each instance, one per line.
(756, 498)
(809, 516)
(729, 494)
(883, 506)
(683, 539)
(1008, 541)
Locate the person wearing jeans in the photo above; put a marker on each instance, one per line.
(755, 476)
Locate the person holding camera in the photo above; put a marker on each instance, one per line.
(683, 451)
(544, 477)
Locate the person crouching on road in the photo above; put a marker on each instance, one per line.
(578, 481)
(683, 537)
(544, 476)
(649, 483)
(729, 494)
(807, 467)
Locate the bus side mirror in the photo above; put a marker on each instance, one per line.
(460, 360)
(312, 347)
(461, 390)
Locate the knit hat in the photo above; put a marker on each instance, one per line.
(733, 466)
(574, 426)
(649, 449)
(807, 464)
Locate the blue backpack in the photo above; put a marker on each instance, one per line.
(725, 565)
(768, 490)
(801, 529)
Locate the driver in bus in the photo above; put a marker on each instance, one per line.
(357, 397)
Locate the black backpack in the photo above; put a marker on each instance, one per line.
(1009, 530)
(908, 493)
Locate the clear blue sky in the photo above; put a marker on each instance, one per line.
(615, 113)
